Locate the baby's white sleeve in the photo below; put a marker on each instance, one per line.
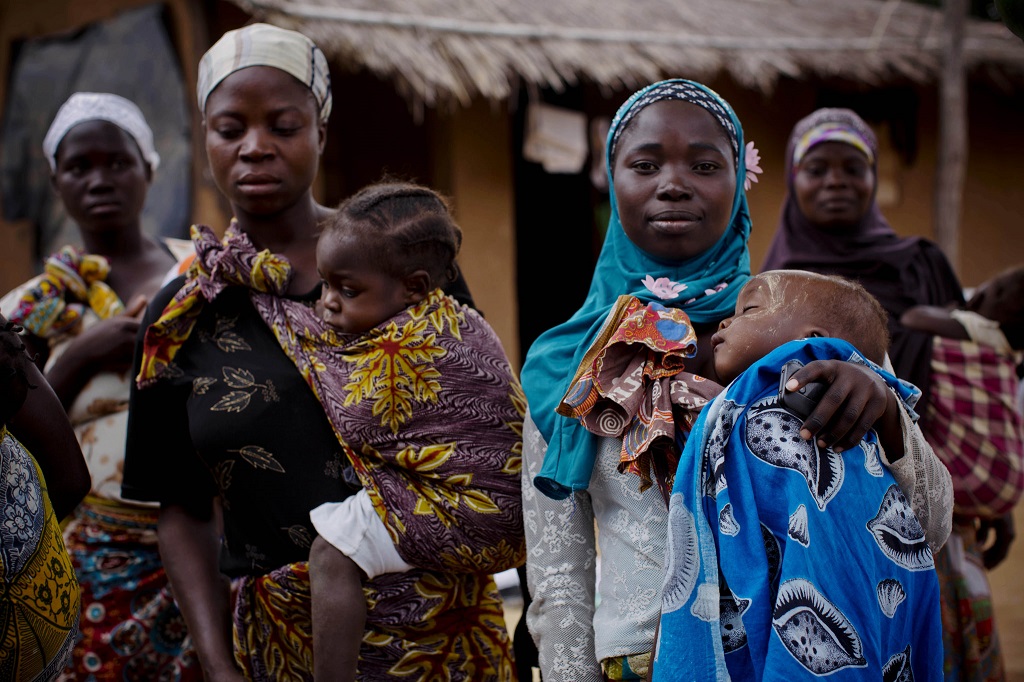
(354, 529)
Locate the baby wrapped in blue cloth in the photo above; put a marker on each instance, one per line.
(787, 560)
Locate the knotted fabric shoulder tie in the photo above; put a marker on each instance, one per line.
(71, 281)
(219, 263)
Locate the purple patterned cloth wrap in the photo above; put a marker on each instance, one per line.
(430, 416)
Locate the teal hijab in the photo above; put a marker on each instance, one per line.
(713, 280)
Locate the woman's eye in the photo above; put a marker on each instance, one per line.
(644, 166)
(706, 167)
(285, 130)
(229, 133)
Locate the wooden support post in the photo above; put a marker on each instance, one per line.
(952, 161)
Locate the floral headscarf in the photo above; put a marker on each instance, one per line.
(705, 287)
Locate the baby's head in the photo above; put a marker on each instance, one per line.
(783, 305)
(1001, 299)
(387, 248)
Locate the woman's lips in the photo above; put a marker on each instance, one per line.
(103, 207)
(673, 222)
(258, 183)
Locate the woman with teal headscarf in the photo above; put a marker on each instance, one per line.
(613, 391)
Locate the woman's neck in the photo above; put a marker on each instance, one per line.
(115, 244)
(291, 233)
(138, 263)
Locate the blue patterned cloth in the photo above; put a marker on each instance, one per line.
(786, 561)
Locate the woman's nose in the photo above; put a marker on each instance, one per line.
(835, 176)
(255, 145)
(674, 186)
(98, 180)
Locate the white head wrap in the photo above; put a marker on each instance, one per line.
(266, 45)
(100, 106)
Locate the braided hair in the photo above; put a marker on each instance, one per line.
(404, 226)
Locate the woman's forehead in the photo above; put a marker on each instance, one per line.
(97, 135)
(264, 84)
(674, 118)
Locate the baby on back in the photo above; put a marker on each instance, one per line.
(787, 559)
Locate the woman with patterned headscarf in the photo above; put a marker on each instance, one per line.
(831, 224)
(82, 314)
(227, 436)
(615, 389)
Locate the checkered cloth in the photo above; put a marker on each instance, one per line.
(972, 424)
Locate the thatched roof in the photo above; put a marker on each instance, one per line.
(444, 51)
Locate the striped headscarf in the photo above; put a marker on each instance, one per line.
(706, 288)
(266, 45)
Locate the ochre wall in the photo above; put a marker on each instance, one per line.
(473, 154)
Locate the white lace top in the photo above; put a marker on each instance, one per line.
(573, 630)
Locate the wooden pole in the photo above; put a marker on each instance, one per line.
(952, 161)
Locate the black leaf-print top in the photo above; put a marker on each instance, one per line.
(235, 420)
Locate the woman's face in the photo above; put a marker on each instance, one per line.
(834, 185)
(675, 179)
(263, 139)
(101, 177)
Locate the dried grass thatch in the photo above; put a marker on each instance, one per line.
(444, 51)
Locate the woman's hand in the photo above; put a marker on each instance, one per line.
(106, 345)
(1004, 535)
(857, 400)
(109, 344)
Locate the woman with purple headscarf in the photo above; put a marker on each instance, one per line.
(831, 224)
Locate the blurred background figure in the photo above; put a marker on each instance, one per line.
(81, 317)
(831, 223)
(973, 424)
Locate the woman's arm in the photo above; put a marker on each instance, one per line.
(106, 345)
(190, 549)
(560, 571)
(933, 320)
(43, 427)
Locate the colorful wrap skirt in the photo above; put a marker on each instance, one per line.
(419, 626)
(131, 628)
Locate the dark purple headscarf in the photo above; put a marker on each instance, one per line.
(900, 272)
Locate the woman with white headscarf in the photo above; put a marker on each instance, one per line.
(240, 431)
(82, 316)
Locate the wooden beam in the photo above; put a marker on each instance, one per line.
(952, 162)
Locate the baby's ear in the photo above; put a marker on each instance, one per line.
(816, 332)
(417, 286)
